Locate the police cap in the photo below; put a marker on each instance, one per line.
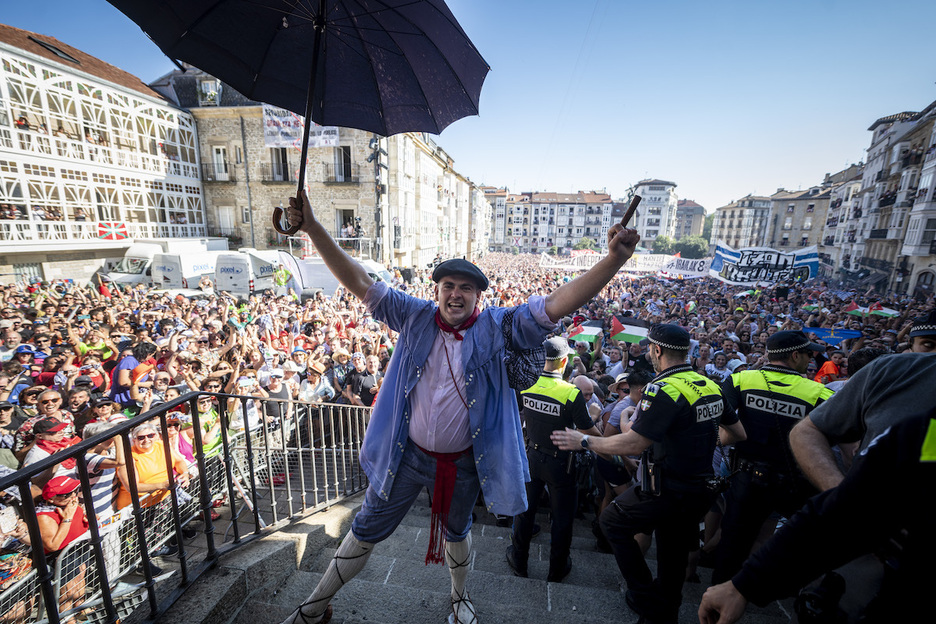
(458, 266)
(668, 336)
(785, 342)
(924, 325)
(556, 348)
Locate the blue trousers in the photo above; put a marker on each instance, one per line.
(378, 518)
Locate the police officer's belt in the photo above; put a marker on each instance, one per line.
(547, 450)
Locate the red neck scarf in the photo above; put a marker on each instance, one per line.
(51, 447)
(454, 330)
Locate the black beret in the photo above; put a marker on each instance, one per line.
(458, 266)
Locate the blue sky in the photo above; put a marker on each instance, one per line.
(723, 98)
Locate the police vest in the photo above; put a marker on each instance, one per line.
(692, 407)
(547, 407)
(770, 402)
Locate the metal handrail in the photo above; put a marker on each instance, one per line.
(248, 460)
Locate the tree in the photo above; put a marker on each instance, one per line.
(664, 245)
(585, 243)
(707, 227)
(692, 247)
(553, 251)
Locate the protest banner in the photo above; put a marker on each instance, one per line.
(283, 128)
(753, 266)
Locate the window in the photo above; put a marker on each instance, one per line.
(245, 214)
(929, 232)
(807, 223)
(788, 223)
(810, 207)
(238, 155)
(791, 208)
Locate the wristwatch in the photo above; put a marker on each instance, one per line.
(585, 441)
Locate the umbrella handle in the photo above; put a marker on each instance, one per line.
(279, 221)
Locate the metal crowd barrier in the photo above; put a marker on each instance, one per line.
(302, 461)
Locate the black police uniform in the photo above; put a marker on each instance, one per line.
(769, 402)
(551, 404)
(879, 506)
(680, 412)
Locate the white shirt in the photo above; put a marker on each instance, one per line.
(439, 421)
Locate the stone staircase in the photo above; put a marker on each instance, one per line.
(263, 582)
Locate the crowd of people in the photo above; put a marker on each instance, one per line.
(77, 359)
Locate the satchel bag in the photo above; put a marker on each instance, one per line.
(524, 366)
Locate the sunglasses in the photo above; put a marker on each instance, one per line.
(50, 401)
(146, 436)
(65, 495)
(174, 424)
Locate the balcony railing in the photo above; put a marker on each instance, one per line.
(218, 172)
(275, 172)
(122, 155)
(335, 174)
(879, 233)
(23, 232)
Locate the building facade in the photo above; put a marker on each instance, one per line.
(690, 219)
(535, 222)
(397, 200)
(797, 218)
(656, 215)
(91, 159)
(741, 223)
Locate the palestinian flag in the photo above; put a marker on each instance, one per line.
(854, 309)
(586, 332)
(877, 308)
(812, 307)
(628, 329)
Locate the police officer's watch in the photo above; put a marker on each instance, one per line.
(585, 442)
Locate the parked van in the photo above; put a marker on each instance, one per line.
(246, 271)
(183, 270)
(136, 265)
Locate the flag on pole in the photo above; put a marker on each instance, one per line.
(627, 329)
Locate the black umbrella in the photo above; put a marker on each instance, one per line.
(385, 66)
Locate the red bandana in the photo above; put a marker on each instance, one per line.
(454, 330)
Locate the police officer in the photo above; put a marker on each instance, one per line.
(769, 402)
(878, 507)
(550, 404)
(679, 421)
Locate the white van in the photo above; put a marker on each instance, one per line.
(376, 271)
(246, 271)
(183, 270)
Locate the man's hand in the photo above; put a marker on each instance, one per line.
(622, 242)
(297, 213)
(567, 440)
(721, 604)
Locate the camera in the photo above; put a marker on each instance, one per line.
(717, 484)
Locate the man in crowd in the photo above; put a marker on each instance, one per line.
(451, 421)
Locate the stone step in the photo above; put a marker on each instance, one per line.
(425, 599)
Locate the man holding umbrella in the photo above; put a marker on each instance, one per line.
(446, 417)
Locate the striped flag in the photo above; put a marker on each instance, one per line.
(585, 332)
(628, 329)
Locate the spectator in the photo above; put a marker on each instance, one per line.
(149, 463)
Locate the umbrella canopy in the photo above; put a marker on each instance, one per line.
(385, 66)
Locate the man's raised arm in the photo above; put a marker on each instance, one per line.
(351, 274)
(572, 295)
